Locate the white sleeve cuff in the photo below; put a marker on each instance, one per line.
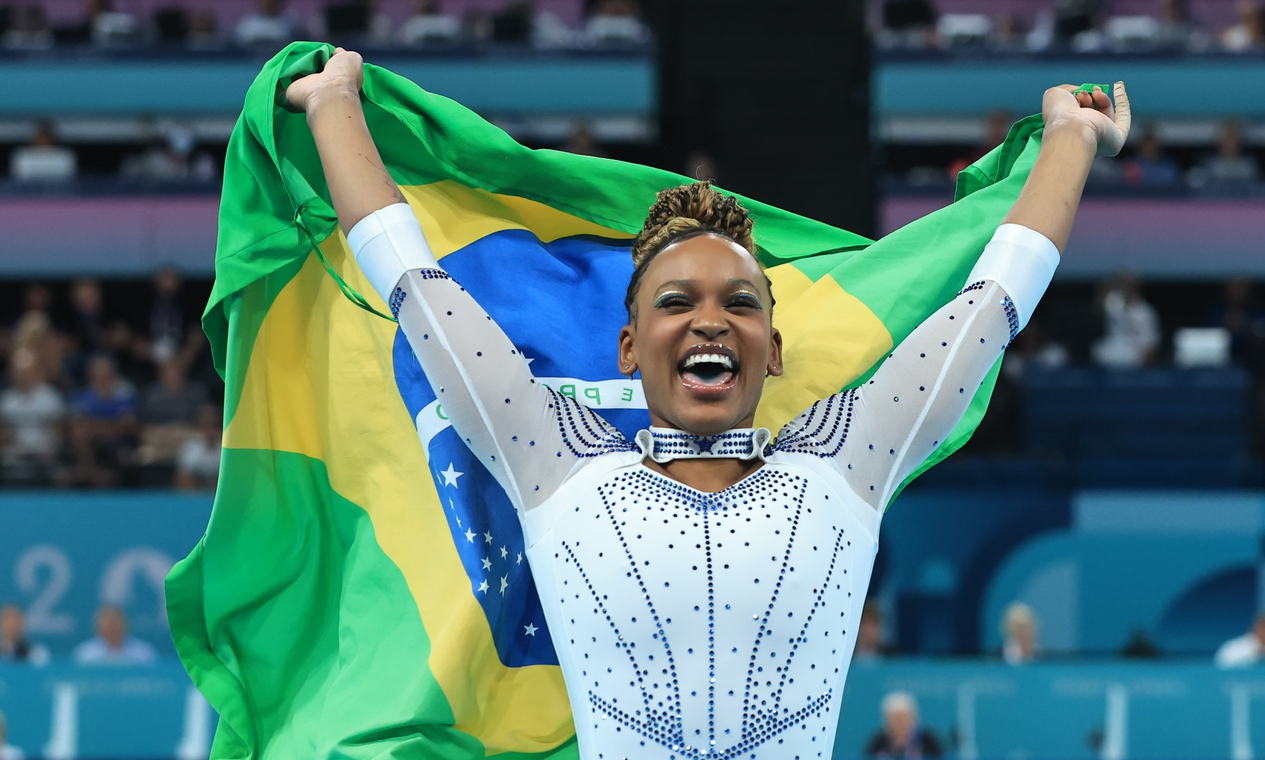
(388, 243)
(1022, 261)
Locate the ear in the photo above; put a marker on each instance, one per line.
(627, 354)
(775, 367)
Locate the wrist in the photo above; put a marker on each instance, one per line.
(338, 89)
(1070, 128)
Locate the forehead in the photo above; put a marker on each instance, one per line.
(708, 259)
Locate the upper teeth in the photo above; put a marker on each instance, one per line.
(720, 359)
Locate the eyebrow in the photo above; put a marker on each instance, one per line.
(688, 284)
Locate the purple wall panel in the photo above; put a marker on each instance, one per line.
(227, 12)
(1158, 238)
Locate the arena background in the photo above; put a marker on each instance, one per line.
(1112, 503)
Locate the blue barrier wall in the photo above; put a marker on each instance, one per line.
(63, 554)
(979, 711)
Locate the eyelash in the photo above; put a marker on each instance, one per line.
(742, 300)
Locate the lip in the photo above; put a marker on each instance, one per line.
(706, 391)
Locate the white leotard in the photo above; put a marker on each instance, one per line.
(691, 624)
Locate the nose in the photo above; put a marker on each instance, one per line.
(710, 323)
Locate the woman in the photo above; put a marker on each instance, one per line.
(703, 583)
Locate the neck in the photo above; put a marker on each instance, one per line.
(708, 475)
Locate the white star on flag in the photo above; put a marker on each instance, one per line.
(503, 552)
(487, 564)
(504, 584)
(530, 629)
(484, 586)
(451, 475)
(469, 535)
(520, 559)
(487, 537)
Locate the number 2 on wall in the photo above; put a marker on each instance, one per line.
(40, 615)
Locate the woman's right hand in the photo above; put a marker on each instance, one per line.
(344, 72)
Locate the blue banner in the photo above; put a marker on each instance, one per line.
(63, 555)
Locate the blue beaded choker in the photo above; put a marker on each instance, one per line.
(666, 444)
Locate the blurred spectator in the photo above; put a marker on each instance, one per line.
(1019, 630)
(204, 32)
(37, 298)
(113, 645)
(870, 645)
(1079, 25)
(1239, 314)
(104, 426)
(1034, 350)
(14, 644)
(88, 330)
(901, 735)
(1132, 326)
(354, 22)
(166, 316)
(1246, 650)
(198, 462)
(43, 160)
(31, 412)
(28, 29)
(996, 128)
(427, 25)
(171, 26)
(170, 158)
(172, 399)
(1248, 33)
(266, 27)
(8, 751)
(101, 25)
(1150, 167)
(616, 22)
(34, 332)
(513, 24)
(1230, 165)
(700, 165)
(581, 143)
(908, 24)
(1178, 31)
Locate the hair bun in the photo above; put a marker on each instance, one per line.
(688, 207)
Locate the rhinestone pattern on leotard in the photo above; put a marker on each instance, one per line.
(685, 553)
(821, 430)
(584, 432)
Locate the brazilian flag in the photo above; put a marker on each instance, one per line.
(360, 590)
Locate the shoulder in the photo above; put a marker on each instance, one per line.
(583, 431)
(821, 429)
(90, 650)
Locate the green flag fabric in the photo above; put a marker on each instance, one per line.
(332, 609)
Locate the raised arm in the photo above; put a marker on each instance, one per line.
(528, 436)
(881, 432)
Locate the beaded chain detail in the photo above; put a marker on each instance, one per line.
(973, 286)
(660, 718)
(1012, 314)
(832, 416)
(397, 300)
(434, 274)
(584, 432)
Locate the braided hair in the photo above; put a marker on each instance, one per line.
(683, 212)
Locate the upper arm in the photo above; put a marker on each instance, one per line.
(528, 436)
(882, 431)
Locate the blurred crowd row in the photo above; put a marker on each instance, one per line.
(94, 399)
(1147, 164)
(1070, 26)
(200, 26)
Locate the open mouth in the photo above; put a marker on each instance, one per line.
(708, 368)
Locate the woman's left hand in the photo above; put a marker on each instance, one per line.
(1108, 121)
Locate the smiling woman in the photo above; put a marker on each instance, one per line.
(703, 583)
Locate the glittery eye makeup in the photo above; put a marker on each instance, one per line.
(665, 299)
(747, 299)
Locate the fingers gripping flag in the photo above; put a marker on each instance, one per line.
(361, 589)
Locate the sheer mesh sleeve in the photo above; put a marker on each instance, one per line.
(527, 435)
(881, 432)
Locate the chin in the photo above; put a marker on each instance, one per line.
(708, 418)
